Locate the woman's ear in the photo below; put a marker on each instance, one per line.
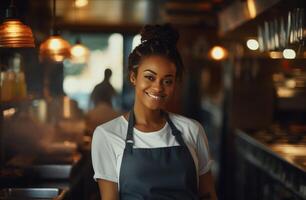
(133, 78)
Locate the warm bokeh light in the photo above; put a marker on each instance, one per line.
(291, 83)
(278, 77)
(79, 53)
(66, 107)
(9, 112)
(55, 48)
(285, 92)
(252, 8)
(55, 44)
(252, 44)
(78, 50)
(290, 149)
(14, 34)
(218, 53)
(276, 54)
(81, 3)
(289, 54)
(58, 58)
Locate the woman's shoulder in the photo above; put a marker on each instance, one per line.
(114, 127)
(190, 128)
(184, 121)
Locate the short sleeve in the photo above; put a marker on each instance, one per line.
(103, 157)
(204, 158)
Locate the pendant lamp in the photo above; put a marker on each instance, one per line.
(13, 33)
(54, 48)
(79, 52)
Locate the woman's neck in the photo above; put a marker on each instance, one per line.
(147, 117)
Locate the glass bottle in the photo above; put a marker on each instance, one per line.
(7, 85)
(20, 88)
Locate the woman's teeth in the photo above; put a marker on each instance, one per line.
(156, 97)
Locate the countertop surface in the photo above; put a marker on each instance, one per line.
(280, 155)
(288, 147)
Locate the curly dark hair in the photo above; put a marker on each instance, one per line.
(157, 40)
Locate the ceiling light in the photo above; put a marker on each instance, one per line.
(55, 47)
(81, 3)
(218, 53)
(252, 8)
(289, 53)
(13, 33)
(252, 44)
(79, 52)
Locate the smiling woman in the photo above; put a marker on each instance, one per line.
(154, 82)
(150, 153)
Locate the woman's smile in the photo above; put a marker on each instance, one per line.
(157, 97)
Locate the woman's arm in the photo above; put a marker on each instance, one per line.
(108, 190)
(206, 187)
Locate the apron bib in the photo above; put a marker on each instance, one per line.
(165, 173)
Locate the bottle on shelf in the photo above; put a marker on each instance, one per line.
(7, 86)
(12, 81)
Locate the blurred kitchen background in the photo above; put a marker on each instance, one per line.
(245, 82)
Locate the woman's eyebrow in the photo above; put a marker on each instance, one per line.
(148, 70)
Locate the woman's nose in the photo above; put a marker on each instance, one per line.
(157, 86)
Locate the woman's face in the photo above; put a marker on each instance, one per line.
(154, 82)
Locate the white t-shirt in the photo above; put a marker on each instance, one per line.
(109, 142)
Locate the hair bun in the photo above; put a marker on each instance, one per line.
(165, 33)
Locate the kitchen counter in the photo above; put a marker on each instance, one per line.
(278, 156)
(26, 171)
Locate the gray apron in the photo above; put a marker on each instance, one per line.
(158, 173)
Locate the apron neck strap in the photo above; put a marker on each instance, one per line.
(129, 141)
(175, 132)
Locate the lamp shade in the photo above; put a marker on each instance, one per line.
(55, 48)
(79, 53)
(14, 34)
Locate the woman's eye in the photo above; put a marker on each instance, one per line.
(151, 78)
(168, 82)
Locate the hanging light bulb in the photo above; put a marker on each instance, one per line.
(252, 44)
(55, 47)
(218, 53)
(79, 52)
(13, 33)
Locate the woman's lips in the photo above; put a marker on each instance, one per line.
(156, 96)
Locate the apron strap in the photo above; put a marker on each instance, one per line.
(129, 141)
(175, 132)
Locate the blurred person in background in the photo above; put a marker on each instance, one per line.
(104, 91)
(101, 98)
